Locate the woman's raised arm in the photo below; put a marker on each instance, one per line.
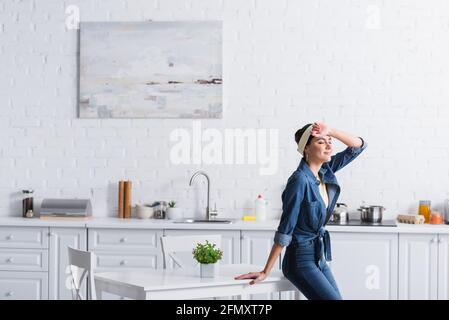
(322, 129)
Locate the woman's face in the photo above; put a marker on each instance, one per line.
(319, 149)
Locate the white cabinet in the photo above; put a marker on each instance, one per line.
(443, 267)
(365, 265)
(23, 263)
(23, 259)
(124, 240)
(122, 260)
(34, 260)
(256, 247)
(230, 242)
(125, 249)
(23, 237)
(423, 266)
(230, 245)
(23, 285)
(59, 272)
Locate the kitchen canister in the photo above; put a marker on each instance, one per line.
(27, 203)
(160, 209)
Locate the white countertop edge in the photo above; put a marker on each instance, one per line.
(169, 224)
(270, 225)
(36, 222)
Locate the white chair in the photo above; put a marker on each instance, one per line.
(81, 265)
(174, 246)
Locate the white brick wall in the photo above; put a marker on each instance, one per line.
(378, 69)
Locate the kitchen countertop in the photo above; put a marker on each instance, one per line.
(269, 225)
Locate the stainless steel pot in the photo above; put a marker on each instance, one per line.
(372, 214)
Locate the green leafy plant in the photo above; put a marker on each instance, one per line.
(172, 204)
(207, 253)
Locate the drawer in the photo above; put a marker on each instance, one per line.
(113, 260)
(145, 241)
(23, 259)
(23, 285)
(24, 237)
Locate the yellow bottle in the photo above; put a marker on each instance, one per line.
(424, 210)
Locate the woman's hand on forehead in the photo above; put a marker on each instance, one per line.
(320, 129)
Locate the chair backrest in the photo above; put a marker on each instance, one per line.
(173, 248)
(81, 266)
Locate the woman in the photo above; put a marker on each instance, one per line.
(307, 203)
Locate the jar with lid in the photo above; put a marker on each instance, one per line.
(424, 210)
(159, 209)
(27, 202)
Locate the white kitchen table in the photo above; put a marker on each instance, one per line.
(171, 284)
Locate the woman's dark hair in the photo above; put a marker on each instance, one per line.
(300, 132)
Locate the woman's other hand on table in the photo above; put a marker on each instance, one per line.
(256, 276)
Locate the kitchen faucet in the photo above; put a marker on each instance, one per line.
(209, 213)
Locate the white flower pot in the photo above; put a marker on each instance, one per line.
(209, 270)
(175, 213)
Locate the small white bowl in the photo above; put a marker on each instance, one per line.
(144, 212)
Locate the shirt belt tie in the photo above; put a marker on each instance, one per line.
(324, 245)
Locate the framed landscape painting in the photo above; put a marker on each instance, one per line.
(152, 69)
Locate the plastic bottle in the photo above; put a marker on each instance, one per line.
(260, 208)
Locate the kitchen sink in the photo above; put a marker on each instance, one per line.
(202, 221)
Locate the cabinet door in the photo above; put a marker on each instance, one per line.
(23, 259)
(230, 245)
(365, 265)
(23, 285)
(230, 242)
(137, 240)
(60, 278)
(20, 237)
(443, 267)
(256, 247)
(418, 266)
(126, 248)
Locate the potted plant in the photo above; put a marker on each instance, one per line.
(173, 212)
(207, 255)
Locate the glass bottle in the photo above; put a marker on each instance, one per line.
(27, 202)
(446, 211)
(424, 210)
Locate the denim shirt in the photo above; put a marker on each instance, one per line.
(304, 212)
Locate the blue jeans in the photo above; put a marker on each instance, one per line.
(313, 278)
